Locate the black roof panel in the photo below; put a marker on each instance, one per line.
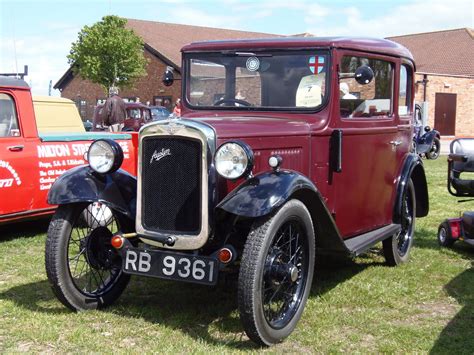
(12, 81)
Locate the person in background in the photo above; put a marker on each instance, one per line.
(113, 114)
(177, 108)
(344, 90)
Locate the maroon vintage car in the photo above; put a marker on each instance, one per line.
(287, 148)
(138, 114)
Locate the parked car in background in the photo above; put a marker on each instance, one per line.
(159, 113)
(39, 141)
(88, 125)
(138, 114)
(426, 141)
(268, 166)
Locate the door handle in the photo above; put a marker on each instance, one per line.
(16, 148)
(395, 143)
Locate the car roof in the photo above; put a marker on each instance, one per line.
(135, 105)
(374, 45)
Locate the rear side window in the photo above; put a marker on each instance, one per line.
(404, 96)
(370, 100)
(8, 117)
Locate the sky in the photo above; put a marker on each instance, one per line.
(39, 33)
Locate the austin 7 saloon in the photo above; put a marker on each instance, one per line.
(286, 149)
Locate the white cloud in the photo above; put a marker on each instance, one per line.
(45, 57)
(418, 16)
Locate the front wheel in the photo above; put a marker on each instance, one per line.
(397, 248)
(276, 273)
(435, 149)
(83, 268)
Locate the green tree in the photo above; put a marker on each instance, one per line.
(108, 54)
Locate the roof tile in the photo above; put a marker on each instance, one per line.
(449, 52)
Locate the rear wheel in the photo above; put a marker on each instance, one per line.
(445, 238)
(435, 149)
(276, 274)
(397, 248)
(83, 268)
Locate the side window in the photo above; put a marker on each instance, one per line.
(8, 117)
(369, 100)
(404, 96)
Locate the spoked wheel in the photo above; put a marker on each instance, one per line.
(397, 248)
(276, 274)
(83, 268)
(435, 149)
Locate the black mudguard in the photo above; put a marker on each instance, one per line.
(81, 184)
(266, 192)
(412, 168)
(426, 141)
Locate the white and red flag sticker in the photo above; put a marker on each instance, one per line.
(316, 64)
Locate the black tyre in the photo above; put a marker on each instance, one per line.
(276, 274)
(435, 149)
(83, 268)
(445, 238)
(397, 248)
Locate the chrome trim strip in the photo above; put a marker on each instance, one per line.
(206, 135)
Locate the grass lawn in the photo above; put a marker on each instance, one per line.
(426, 305)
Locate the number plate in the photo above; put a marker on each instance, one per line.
(169, 265)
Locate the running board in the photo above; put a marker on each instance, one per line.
(359, 244)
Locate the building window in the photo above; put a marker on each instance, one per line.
(165, 101)
(131, 99)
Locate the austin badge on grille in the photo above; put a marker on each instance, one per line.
(172, 127)
(160, 155)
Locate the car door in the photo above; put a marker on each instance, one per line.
(16, 161)
(364, 188)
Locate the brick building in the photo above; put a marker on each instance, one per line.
(445, 78)
(163, 43)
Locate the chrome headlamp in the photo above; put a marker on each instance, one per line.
(105, 156)
(234, 160)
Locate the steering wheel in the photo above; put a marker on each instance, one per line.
(232, 101)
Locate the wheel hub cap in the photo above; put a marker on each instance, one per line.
(293, 271)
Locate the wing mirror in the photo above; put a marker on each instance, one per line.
(364, 74)
(168, 77)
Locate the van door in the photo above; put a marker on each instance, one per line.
(16, 161)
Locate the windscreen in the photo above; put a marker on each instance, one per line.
(294, 80)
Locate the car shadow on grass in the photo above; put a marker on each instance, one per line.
(458, 336)
(425, 238)
(211, 314)
(28, 229)
(35, 296)
(207, 314)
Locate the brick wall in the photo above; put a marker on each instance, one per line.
(463, 87)
(145, 88)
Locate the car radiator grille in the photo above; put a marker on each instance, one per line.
(171, 185)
